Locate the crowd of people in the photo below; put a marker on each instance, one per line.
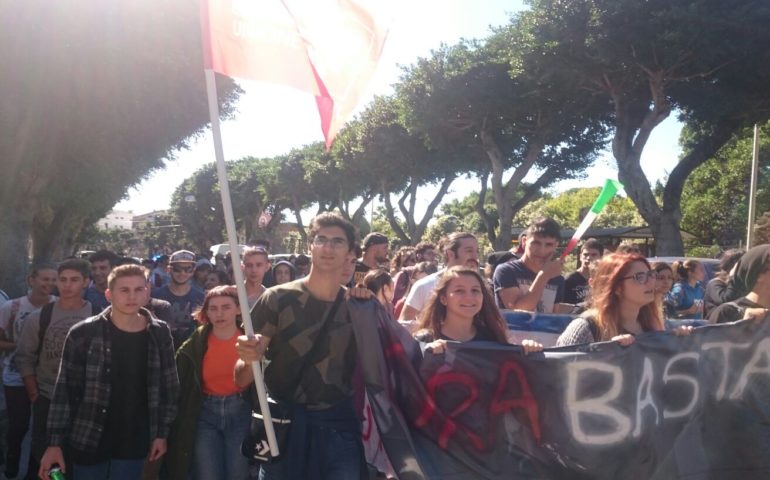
(135, 369)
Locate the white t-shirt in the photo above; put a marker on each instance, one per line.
(11, 375)
(420, 292)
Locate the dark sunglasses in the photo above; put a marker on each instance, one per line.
(177, 269)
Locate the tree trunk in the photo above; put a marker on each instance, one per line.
(634, 123)
(504, 191)
(297, 210)
(391, 215)
(489, 222)
(14, 235)
(419, 229)
(668, 238)
(366, 199)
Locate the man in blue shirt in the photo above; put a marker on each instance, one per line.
(181, 294)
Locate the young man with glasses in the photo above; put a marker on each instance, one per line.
(303, 328)
(181, 294)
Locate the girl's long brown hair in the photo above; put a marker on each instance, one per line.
(434, 313)
(605, 298)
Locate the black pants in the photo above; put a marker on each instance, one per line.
(38, 445)
(19, 411)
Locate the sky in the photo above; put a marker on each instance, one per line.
(271, 120)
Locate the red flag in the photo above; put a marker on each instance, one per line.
(329, 48)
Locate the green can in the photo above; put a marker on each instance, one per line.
(56, 474)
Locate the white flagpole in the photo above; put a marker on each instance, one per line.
(753, 188)
(227, 209)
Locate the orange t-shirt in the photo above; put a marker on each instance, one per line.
(218, 365)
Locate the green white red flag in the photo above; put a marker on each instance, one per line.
(329, 48)
(611, 187)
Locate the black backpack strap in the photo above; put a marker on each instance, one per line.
(45, 320)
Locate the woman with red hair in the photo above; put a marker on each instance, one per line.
(622, 303)
(214, 413)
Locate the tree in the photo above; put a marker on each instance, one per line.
(95, 96)
(197, 201)
(647, 59)
(197, 205)
(466, 210)
(569, 207)
(378, 149)
(715, 196)
(468, 99)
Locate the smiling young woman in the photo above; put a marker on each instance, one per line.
(461, 309)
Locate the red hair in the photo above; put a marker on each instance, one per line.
(221, 291)
(605, 298)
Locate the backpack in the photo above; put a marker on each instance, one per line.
(45, 320)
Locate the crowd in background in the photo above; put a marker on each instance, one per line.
(440, 292)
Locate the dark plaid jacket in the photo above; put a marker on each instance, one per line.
(81, 398)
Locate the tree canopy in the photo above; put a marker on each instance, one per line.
(647, 59)
(95, 96)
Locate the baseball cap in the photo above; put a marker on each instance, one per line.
(182, 256)
(375, 239)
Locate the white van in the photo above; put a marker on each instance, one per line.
(222, 249)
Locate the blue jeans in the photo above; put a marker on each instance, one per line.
(223, 424)
(339, 455)
(112, 470)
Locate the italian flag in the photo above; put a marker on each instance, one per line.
(611, 187)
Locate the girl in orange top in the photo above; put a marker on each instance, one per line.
(214, 415)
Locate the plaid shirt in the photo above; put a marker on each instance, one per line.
(81, 398)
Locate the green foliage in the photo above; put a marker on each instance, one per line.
(762, 230)
(381, 224)
(253, 182)
(441, 227)
(702, 251)
(569, 207)
(647, 59)
(96, 95)
(465, 209)
(468, 98)
(162, 233)
(715, 197)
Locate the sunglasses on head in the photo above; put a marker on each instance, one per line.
(181, 269)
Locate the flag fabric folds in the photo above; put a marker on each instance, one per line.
(329, 48)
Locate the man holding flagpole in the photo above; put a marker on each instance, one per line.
(303, 328)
